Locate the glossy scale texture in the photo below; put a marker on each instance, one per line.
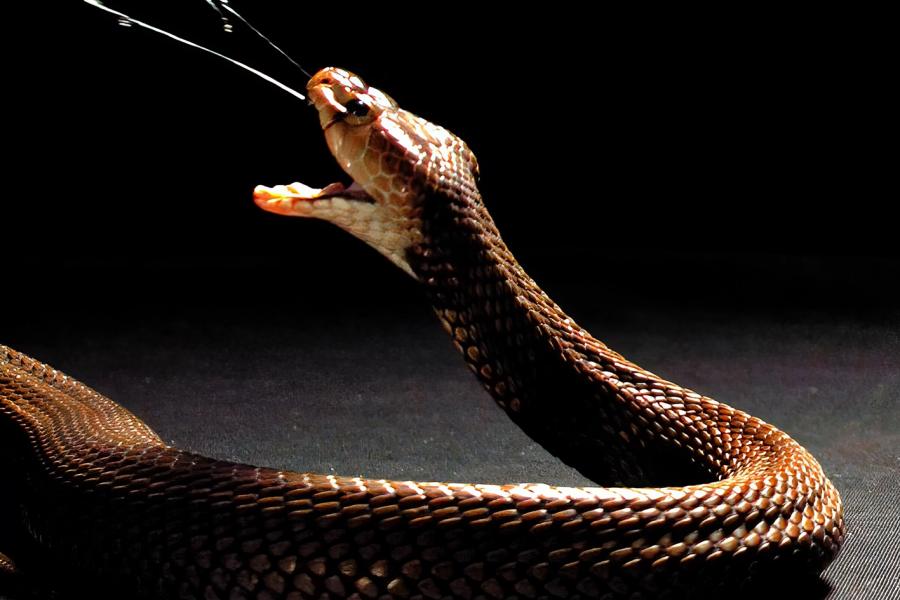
(101, 496)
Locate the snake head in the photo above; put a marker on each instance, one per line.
(394, 158)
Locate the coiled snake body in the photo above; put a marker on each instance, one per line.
(104, 497)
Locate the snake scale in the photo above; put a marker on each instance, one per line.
(103, 499)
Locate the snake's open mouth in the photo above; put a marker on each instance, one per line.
(291, 199)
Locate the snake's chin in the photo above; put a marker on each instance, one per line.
(388, 227)
(297, 199)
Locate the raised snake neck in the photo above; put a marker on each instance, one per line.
(102, 496)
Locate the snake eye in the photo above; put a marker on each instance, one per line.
(356, 108)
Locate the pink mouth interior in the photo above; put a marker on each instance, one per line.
(283, 199)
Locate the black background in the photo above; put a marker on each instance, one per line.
(600, 136)
(705, 191)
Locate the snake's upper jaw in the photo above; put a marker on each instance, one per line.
(301, 200)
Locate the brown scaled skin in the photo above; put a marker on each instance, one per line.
(106, 498)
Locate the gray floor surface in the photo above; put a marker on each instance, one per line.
(382, 394)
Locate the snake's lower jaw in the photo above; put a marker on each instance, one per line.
(296, 199)
(387, 227)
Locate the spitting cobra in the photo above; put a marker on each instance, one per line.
(100, 499)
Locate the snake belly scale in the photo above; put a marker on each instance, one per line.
(103, 499)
